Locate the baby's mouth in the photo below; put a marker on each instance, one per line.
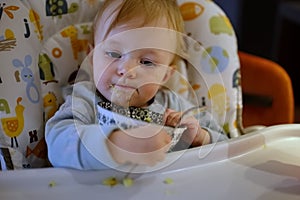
(123, 87)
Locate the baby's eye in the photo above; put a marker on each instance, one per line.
(147, 62)
(113, 54)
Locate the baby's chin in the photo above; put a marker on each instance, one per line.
(121, 102)
(127, 102)
(121, 97)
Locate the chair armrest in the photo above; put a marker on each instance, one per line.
(264, 79)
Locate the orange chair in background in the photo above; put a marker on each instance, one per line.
(267, 92)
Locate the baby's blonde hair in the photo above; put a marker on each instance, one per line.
(115, 12)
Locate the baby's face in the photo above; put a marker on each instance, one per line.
(132, 64)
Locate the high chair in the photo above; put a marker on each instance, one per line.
(42, 44)
(268, 93)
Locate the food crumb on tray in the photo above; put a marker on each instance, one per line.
(52, 184)
(112, 181)
(168, 181)
(127, 182)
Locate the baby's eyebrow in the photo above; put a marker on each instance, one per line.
(150, 51)
(155, 51)
(116, 44)
(111, 43)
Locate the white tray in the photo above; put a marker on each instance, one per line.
(261, 165)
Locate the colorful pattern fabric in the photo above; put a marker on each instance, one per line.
(211, 76)
(42, 43)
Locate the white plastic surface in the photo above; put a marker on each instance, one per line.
(261, 165)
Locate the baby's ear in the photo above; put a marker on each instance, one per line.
(90, 48)
(90, 58)
(170, 72)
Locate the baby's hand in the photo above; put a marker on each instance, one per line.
(144, 145)
(194, 134)
(172, 118)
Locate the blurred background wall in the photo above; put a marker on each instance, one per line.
(270, 29)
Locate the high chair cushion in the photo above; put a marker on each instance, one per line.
(213, 70)
(42, 44)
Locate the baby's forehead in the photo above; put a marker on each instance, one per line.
(143, 38)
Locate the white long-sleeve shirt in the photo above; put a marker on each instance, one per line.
(76, 139)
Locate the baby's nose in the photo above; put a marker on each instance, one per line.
(127, 68)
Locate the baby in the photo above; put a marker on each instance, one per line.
(119, 117)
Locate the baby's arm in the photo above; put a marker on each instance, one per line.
(69, 138)
(73, 135)
(145, 145)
